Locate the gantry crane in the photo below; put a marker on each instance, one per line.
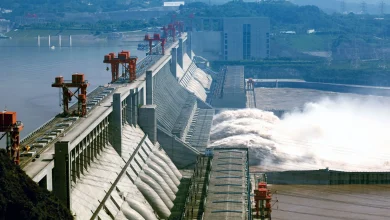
(11, 128)
(172, 31)
(263, 199)
(191, 17)
(179, 25)
(129, 65)
(81, 92)
(165, 32)
(250, 84)
(156, 37)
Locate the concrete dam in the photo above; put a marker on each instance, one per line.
(122, 160)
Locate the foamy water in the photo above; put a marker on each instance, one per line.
(340, 133)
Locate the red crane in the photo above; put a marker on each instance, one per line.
(129, 64)
(165, 32)
(172, 31)
(156, 37)
(81, 92)
(191, 17)
(11, 129)
(173, 18)
(263, 198)
(179, 25)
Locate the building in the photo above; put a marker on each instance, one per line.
(231, 39)
(246, 38)
(4, 25)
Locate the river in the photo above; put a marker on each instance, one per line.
(27, 72)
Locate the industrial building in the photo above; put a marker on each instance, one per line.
(232, 39)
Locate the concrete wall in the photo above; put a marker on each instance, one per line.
(181, 154)
(364, 90)
(207, 44)
(327, 177)
(233, 29)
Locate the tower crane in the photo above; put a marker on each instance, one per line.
(80, 94)
(129, 63)
(11, 129)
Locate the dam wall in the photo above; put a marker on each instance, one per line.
(115, 162)
(327, 177)
(342, 88)
(182, 115)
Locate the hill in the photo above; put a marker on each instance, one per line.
(22, 198)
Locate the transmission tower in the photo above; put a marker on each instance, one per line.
(342, 7)
(382, 8)
(364, 7)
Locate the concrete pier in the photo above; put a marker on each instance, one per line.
(116, 124)
(174, 62)
(148, 121)
(62, 170)
(180, 53)
(149, 87)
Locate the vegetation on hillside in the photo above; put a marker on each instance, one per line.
(22, 198)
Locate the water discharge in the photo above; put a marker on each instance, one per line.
(342, 133)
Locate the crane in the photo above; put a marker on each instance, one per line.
(81, 92)
(250, 84)
(172, 31)
(11, 129)
(156, 37)
(179, 25)
(129, 64)
(263, 197)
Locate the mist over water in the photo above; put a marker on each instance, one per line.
(341, 133)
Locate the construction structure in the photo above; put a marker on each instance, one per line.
(156, 37)
(172, 31)
(11, 129)
(128, 63)
(80, 94)
(262, 197)
(250, 84)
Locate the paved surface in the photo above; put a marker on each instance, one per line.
(354, 202)
(288, 99)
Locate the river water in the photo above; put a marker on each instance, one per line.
(27, 72)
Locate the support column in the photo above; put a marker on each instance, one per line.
(189, 44)
(61, 174)
(149, 87)
(148, 122)
(180, 53)
(129, 109)
(174, 62)
(134, 107)
(116, 130)
(49, 179)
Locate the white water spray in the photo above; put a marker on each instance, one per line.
(341, 133)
